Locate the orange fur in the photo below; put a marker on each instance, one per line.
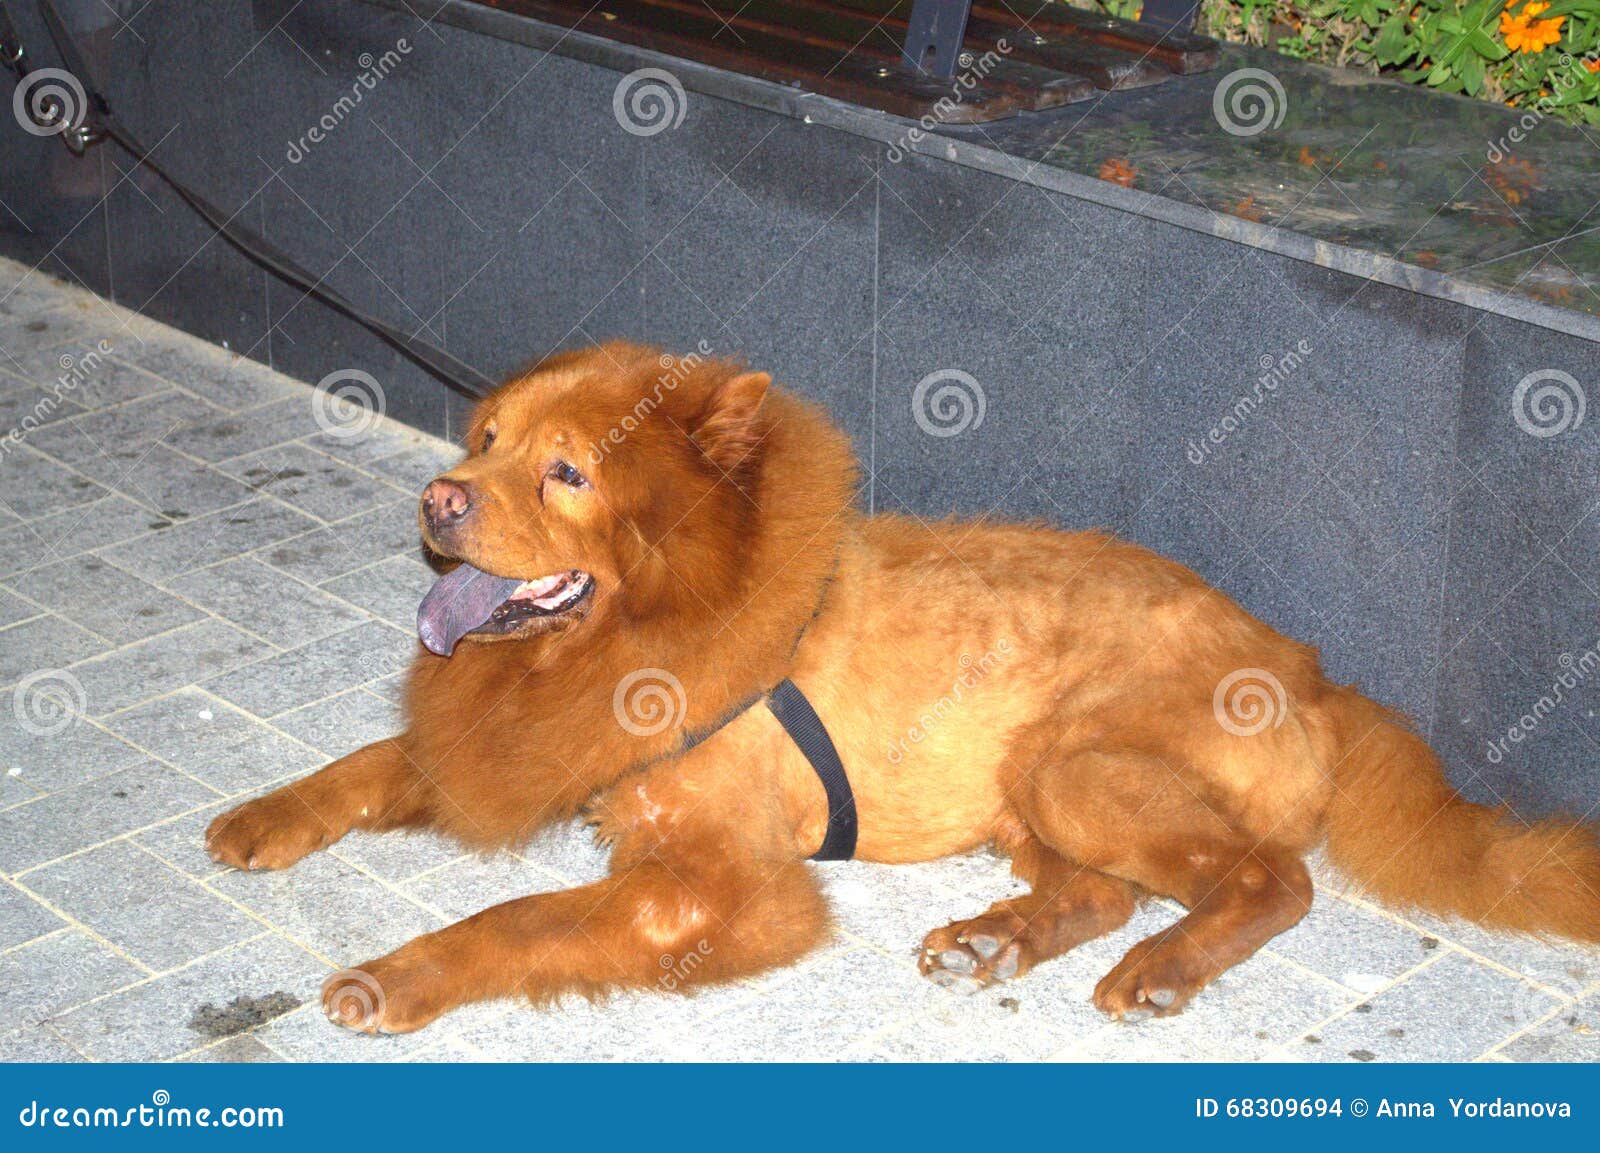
(1059, 694)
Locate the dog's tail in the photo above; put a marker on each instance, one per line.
(1396, 827)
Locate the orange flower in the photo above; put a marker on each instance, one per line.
(1246, 209)
(1118, 171)
(1592, 65)
(1524, 33)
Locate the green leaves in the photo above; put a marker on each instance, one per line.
(1450, 45)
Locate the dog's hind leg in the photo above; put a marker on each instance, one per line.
(375, 788)
(1069, 905)
(1131, 816)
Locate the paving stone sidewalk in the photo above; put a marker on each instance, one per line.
(206, 589)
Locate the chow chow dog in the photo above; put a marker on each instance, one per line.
(644, 544)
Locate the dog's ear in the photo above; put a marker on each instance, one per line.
(728, 428)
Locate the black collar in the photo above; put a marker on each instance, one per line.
(794, 712)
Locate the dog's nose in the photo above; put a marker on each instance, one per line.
(445, 503)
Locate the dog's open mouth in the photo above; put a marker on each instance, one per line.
(469, 601)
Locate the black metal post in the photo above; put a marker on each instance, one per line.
(934, 35)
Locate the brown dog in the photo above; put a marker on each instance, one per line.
(648, 542)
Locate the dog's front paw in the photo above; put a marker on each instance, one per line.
(399, 993)
(270, 832)
(1157, 978)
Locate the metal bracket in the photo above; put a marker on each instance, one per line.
(1169, 15)
(936, 29)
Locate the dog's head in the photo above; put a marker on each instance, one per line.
(615, 480)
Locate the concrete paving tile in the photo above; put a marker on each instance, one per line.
(37, 486)
(241, 1049)
(411, 469)
(1557, 963)
(308, 1035)
(22, 918)
(377, 439)
(137, 672)
(220, 438)
(84, 372)
(891, 906)
(325, 553)
(165, 482)
(472, 884)
(266, 602)
(36, 1043)
(108, 521)
(26, 408)
(39, 980)
(224, 747)
(391, 589)
(310, 480)
(329, 906)
(568, 850)
(153, 913)
(48, 758)
(310, 672)
(1352, 946)
(96, 595)
(230, 382)
(180, 841)
(818, 1011)
(340, 725)
(96, 811)
(399, 855)
(207, 539)
(168, 1016)
(1242, 1016)
(42, 644)
(1451, 1011)
(13, 609)
(1573, 1034)
(106, 444)
(998, 1024)
(651, 1025)
(14, 791)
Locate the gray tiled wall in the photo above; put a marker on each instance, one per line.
(1380, 503)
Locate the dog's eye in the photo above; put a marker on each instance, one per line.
(488, 439)
(567, 475)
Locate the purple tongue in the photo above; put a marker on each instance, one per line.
(459, 602)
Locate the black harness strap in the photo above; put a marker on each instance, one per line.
(807, 731)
